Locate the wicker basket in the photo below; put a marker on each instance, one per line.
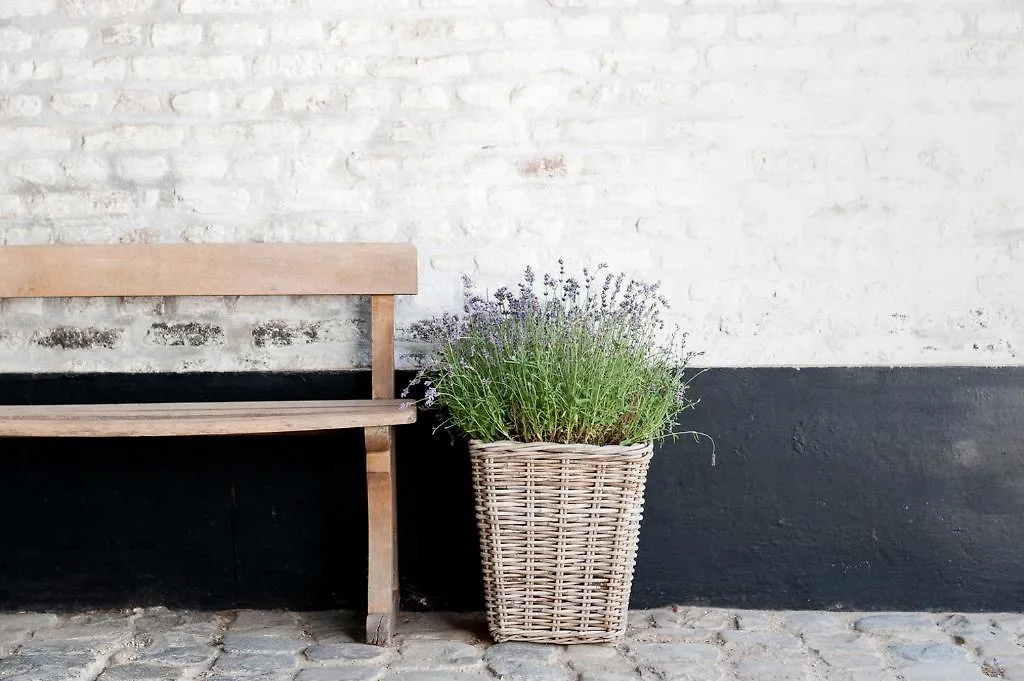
(558, 534)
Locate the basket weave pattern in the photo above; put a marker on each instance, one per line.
(558, 533)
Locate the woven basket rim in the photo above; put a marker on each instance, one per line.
(559, 447)
(547, 443)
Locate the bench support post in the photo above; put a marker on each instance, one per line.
(382, 582)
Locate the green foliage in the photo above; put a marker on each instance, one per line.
(578, 363)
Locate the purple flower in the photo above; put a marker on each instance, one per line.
(504, 336)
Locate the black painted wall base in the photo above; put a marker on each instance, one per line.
(858, 488)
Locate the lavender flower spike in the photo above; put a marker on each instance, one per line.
(580, 362)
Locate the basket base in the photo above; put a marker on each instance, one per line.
(560, 638)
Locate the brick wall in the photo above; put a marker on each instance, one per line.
(816, 181)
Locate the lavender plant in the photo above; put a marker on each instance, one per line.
(579, 361)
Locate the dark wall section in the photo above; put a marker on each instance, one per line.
(218, 522)
(835, 488)
(844, 489)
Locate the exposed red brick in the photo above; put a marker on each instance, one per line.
(544, 167)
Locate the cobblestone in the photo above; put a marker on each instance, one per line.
(436, 676)
(930, 652)
(181, 656)
(894, 623)
(439, 653)
(670, 644)
(943, 672)
(755, 670)
(263, 645)
(328, 652)
(140, 672)
(607, 676)
(524, 662)
(674, 653)
(340, 674)
(259, 666)
(600, 662)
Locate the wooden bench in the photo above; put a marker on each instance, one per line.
(378, 270)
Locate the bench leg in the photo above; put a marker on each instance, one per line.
(382, 583)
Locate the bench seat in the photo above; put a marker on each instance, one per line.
(199, 418)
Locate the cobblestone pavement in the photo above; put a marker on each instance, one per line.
(673, 644)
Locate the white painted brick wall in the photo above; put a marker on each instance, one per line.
(816, 182)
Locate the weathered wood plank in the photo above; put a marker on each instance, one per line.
(382, 513)
(207, 270)
(382, 577)
(382, 334)
(200, 418)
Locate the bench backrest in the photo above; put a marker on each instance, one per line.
(206, 270)
(379, 270)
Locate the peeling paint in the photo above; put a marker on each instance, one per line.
(75, 338)
(192, 334)
(144, 235)
(279, 333)
(282, 334)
